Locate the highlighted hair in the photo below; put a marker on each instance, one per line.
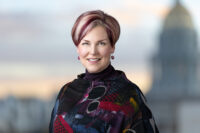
(90, 19)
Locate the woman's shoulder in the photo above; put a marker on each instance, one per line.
(122, 79)
(76, 85)
(63, 89)
(70, 94)
(130, 88)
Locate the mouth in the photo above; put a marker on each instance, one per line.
(93, 60)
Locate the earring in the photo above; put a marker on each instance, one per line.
(78, 58)
(112, 57)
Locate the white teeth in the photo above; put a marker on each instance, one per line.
(93, 59)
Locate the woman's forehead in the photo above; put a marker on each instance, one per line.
(97, 33)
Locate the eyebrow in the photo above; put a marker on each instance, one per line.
(98, 40)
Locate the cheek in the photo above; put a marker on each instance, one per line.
(106, 53)
(82, 52)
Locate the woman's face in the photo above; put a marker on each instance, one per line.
(95, 50)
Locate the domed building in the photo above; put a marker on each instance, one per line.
(176, 70)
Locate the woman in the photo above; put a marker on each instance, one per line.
(101, 100)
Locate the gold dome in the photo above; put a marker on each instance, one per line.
(178, 17)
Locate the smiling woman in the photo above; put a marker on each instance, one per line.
(95, 50)
(101, 100)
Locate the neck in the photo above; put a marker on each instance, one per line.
(106, 73)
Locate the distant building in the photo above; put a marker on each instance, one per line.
(28, 115)
(176, 70)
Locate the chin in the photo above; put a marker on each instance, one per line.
(93, 71)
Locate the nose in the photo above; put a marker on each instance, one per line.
(93, 50)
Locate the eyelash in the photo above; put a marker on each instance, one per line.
(85, 43)
(102, 43)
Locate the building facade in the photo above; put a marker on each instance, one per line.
(176, 69)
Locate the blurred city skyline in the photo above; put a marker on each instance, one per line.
(37, 55)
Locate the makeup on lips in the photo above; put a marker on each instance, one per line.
(93, 60)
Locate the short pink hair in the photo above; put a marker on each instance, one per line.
(90, 19)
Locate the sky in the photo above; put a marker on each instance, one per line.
(37, 55)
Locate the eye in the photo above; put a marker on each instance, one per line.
(85, 43)
(102, 43)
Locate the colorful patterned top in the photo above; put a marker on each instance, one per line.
(106, 102)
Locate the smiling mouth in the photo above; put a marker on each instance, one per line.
(94, 60)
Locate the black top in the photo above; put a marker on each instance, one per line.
(101, 102)
(106, 73)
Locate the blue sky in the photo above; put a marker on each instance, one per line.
(35, 41)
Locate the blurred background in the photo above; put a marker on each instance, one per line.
(158, 50)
